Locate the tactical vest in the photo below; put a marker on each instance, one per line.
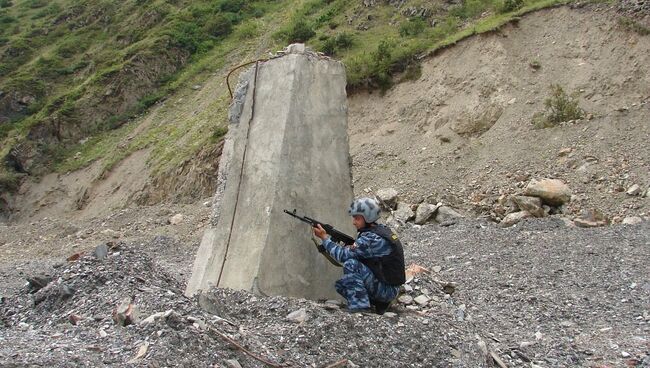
(388, 269)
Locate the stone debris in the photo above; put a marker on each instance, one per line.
(532, 205)
(424, 212)
(634, 190)
(553, 192)
(388, 198)
(298, 316)
(447, 215)
(233, 363)
(591, 218)
(475, 255)
(405, 299)
(176, 332)
(142, 351)
(36, 283)
(177, 219)
(632, 220)
(403, 213)
(111, 233)
(514, 218)
(421, 300)
(126, 313)
(101, 251)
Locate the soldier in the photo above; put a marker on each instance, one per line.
(373, 267)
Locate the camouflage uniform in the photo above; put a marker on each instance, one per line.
(359, 286)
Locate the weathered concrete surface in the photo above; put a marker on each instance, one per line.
(293, 153)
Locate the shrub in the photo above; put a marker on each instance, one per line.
(148, 101)
(412, 27)
(69, 48)
(9, 181)
(341, 41)
(381, 65)
(218, 133)
(5, 3)
(470, 8)
(633, 26)
(247, 31)
(6, 19)
(36, 3)
(47, 67)
(232, 6)
(511, 5)
(413, 71)
(52, 9)
(218, 26)
(560, 107)
(71, 69)
(300, 31)
(186, 35)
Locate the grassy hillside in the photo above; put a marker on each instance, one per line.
(78, 77)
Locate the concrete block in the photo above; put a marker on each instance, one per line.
(287, 147)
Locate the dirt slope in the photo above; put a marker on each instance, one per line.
(462, 132)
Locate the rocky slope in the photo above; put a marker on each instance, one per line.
(467, 137)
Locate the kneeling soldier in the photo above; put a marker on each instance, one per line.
(373, 267)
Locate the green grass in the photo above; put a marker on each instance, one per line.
(67, 54)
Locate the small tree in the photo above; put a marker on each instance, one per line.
(562, 107)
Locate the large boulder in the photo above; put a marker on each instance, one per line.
(403, 213)
(447, 214)
(424, 212)
(552, 191)
(387, 198)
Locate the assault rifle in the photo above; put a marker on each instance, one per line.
(335, 235)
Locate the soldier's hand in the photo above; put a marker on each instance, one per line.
(320, 232)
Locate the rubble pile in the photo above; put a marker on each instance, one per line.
(116, 306)
(541, 293)
(537, 199)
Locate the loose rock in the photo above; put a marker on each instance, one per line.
(387, 197)
(634, 190)
(125, 313)
(532, 205)
(591, 218)
(447, 214)
(421, 300)
(403, 213)
(514, 218)
(176, 219)
(298, 316)
(632, 220)
(101, 251)
(424, 212)
(405, 299)
(233, 363)
(552, 191)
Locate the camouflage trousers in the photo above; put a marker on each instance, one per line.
(360, 287)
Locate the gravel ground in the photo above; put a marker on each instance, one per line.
(539, 294)
(69, 323)
(540, 291)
